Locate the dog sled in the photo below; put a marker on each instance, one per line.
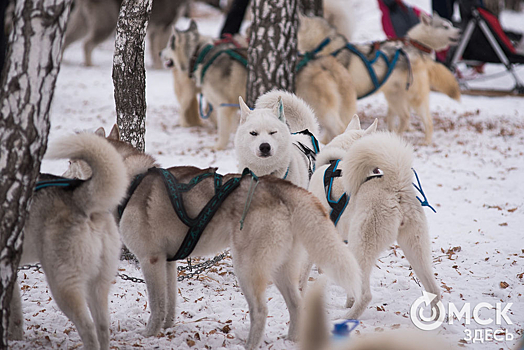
(484, 41)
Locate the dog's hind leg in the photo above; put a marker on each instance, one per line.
(16, 319)
(423, 111)
(366, 264)
(286, 280)
(101, 23)
(76, 28)
(154, 270)
(413, 239)
(226, 121)
(98, 305)
(71, 298)
(171, 272)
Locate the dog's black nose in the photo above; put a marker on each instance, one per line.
(265, 148)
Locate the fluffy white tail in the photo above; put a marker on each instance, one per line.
(384, 151)
(299, 115)
(109, 180)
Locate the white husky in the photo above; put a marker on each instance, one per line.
(376, 174)
(72, 232)
(263, 249)
(265, 143)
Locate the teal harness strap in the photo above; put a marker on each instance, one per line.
(62, 182)
(310, 55)
(369, 64)
(198, 224)
(200, 57)
(232, 53)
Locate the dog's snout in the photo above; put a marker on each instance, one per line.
(265, 148)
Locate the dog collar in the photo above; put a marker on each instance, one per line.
(418, 45)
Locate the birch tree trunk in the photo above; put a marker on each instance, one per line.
(32, 66)
(272, 52)
(129, 74)
(312, 7)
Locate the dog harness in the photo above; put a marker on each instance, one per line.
(310, 55)
(57, 181)
(175, 190)
(390, 64)
(310, 154)
(338, 206)
(238, 53)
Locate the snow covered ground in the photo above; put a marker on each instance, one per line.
(472, 175)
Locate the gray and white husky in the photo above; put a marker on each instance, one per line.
(73, 234)
(283, 220)
(409, 83)
(268, 140)
(382, 207)
(323, 83)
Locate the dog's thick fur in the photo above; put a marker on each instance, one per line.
(380, 210)
(73, 234)
(264, 143)
(323, 83)
(314, 333)
(384, 209)
(435, 33)
(97, 19)
(264, 250)
(337, 149)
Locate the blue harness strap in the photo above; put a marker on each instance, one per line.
(369, 64)
(338, 206)
(57, 181)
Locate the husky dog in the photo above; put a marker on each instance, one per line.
(323, 83)
(97, 19)
(71, 231)
(409, 83)
(264, 143)
(383, 207)
(263, 250)
(314, 334)
(335, 150)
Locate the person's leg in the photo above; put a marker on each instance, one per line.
(234, 17)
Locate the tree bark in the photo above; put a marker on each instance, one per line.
(272, 52)
(129, 75)
(32, 66)
(312, 7)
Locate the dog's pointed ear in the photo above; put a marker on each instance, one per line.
(114, 134)
(354, 124)
(192, 26)
(279, 110)
(372, 128)
(100, 132)
(425, 19)
(244, 110)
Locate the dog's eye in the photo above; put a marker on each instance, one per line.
(254, 133)
(272, 133)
